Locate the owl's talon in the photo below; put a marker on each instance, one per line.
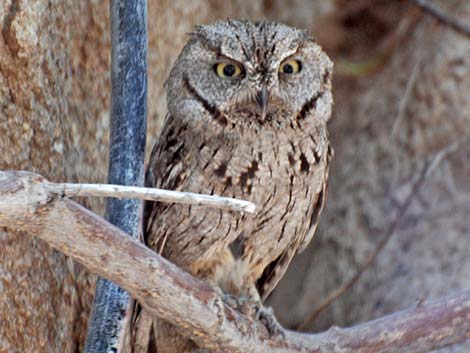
(256, 311)
(266, 316)
(244, 305)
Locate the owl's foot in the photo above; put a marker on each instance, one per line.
(266, 316)
(244, 305)
(256, 310)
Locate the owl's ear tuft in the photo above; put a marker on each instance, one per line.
(198, 30)
(200, 33)
(205, 31)
(197, 33)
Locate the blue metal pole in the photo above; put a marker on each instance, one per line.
(126, 157)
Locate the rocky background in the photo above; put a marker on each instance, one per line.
(402, 88)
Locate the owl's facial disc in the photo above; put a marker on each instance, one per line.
(254, 86)
(241, 71)
(247, 90)
(248, 83)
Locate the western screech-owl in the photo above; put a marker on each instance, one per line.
(248, 104)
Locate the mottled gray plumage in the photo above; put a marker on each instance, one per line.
(218, 140)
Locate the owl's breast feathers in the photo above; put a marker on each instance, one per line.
(282, 171)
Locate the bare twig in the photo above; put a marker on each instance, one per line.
(168, 292)
(405, 97)
(452, 22)
(428, 167)
(134, 192)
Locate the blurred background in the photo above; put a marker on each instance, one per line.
(402, 97)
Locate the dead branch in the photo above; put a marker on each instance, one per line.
(152, 194)
(168, 292)
(423, 174)
(446, 19)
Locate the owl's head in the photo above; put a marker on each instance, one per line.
(243, 72)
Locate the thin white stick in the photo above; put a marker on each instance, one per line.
(134, 192)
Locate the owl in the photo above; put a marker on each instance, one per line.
(248, 105)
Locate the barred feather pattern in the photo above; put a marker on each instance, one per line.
(219, 139)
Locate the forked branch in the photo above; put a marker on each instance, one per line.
(446, 19)
(170, 293)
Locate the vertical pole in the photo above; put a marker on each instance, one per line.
(126, 158)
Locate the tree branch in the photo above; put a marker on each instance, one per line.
(168, 292)
(446, 19)
(423, 174)
(152, 194)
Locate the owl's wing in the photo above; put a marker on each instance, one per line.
(318, 204)
(184, 159)
(273, 273)
(168, 168)
(276, 269)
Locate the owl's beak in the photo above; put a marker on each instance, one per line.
(262, 99)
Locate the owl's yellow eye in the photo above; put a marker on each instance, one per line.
(290, 66)
(227, 70)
